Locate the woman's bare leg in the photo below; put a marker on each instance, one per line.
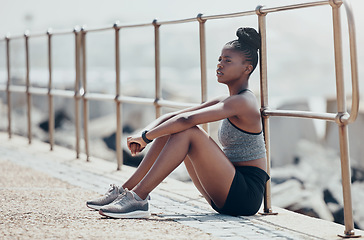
(193, 175)
(146, 163)
(213, 170)
(149, 160)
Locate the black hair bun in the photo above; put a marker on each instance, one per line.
(249, 36)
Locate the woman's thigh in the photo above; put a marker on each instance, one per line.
(213, 169)
(192, 172)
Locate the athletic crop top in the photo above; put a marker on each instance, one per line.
(239, 145)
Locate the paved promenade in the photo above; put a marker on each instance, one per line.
(43, 196)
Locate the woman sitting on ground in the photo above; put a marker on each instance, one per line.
(231, 179)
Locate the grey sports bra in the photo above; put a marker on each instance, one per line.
(239, 145)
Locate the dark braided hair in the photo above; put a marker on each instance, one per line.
(248, 43)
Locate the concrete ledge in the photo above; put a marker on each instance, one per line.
(173, 199)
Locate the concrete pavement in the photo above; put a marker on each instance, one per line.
(43, 195)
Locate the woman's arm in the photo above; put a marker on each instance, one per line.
(185, 120)
(209, 112)
(168, 116)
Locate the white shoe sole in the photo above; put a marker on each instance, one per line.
(95, 207)
(135, 214)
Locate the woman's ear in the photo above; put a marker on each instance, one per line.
(249, 69)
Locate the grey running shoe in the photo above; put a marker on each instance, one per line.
(113, 192)
(126, 206)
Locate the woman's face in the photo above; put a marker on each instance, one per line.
(232, 66)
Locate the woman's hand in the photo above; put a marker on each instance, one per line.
(136, 145)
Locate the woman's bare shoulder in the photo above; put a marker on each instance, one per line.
(246, 103)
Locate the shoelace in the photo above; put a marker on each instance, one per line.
(111, 189)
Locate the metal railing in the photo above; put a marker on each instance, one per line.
(342, 117)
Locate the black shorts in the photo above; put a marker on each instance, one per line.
(246, 192)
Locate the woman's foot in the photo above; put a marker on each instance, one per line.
(113, 192)
(127, 206)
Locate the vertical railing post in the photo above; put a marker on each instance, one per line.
(158, 87)
(119, 124)
(50, 96)
(8, 83)
(83, 92)
(264, 103)
(202, 37)
(355, 96)
(77, 90)
(27, 84)
(343, 127)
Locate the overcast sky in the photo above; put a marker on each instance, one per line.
(299, 32)
(38, 15)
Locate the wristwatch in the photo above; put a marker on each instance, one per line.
(146, 140)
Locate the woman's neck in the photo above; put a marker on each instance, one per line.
(238, 89)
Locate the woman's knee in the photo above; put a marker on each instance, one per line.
(188, 132)
(192, 137)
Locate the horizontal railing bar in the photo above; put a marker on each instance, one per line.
(35, 35)
(62, 32)
(136, 100)
(247, 13)
(172, 104)
(135, 25)
(38, 91)
(186, 20)
(19, 89)
(15, 37)
(295, 6)
(211, 17)
(164, 103)
(303, 114)
(62, 93)
(99, 96)
(116, 25)
(229, 15)
(100, 29)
